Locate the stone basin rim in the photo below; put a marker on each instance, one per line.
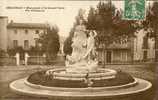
(108, 73)
(104, 74)
(81, 89)
(111, 93)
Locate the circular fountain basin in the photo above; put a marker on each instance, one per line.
(25, 87)
(22, 87)
(100, 74)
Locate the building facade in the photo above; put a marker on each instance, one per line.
(24, 35)
(119, 52)
(144, 47)
(3, 32)
(137, 49)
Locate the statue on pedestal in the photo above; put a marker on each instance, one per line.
(82, 58)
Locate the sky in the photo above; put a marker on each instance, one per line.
(60, 13)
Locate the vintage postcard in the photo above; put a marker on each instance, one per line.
(78, 49)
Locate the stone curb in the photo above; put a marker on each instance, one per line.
(20, 87)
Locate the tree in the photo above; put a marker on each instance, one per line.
(67, 44)
(35, 51)
(2, 53)
(108, 23)
(151, 25)
(50, 42)
(13, 51)
(80, 16)
(91, 24)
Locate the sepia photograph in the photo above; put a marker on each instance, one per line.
(78, 49)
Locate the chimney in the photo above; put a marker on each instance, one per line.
(11, 21)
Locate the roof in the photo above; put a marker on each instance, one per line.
(27, 25)
(3, 17)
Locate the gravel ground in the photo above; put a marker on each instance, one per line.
(11, 73)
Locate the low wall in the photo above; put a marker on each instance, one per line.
(7, 61)
(40, 60)
(36, 60)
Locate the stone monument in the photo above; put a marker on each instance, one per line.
(81, 60)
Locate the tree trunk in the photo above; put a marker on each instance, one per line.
(104, 55)
(156, 47)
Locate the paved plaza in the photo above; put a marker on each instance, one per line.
(11, 73)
